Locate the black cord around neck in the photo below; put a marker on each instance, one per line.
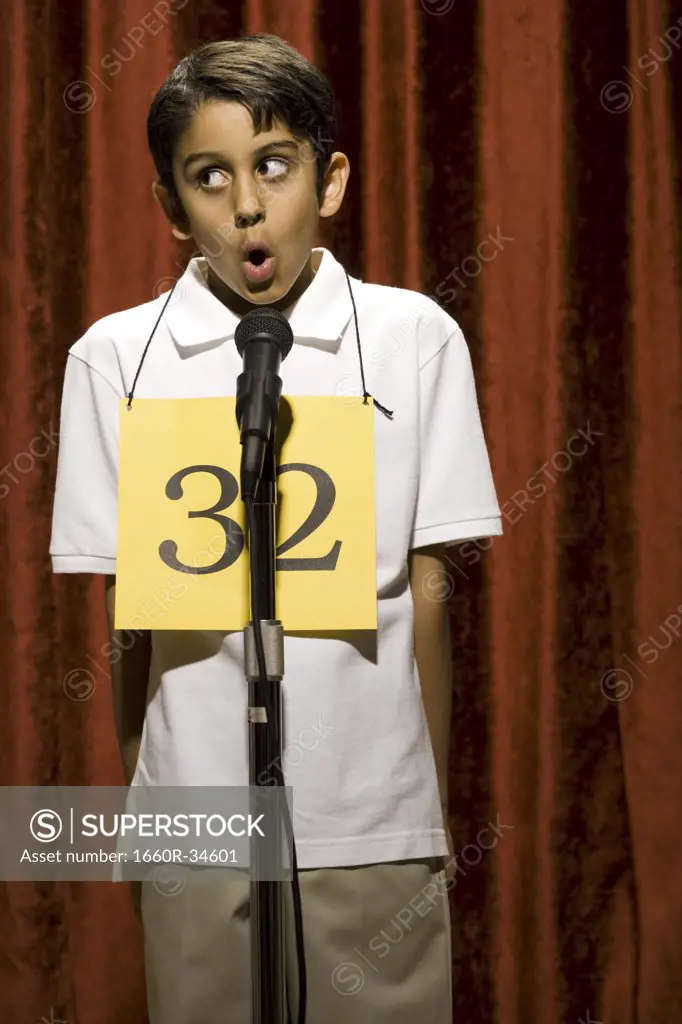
(365, 392)
(137, 374)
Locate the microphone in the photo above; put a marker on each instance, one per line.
(263, 338)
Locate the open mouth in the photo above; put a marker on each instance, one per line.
(257, 257)
(256, 251)
(258, 261)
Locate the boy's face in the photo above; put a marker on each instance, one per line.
(237, 187)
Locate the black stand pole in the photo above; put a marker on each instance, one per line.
(268, 982)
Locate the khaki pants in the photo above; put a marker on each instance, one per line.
(377, 945)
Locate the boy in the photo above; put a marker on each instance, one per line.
(242, 137)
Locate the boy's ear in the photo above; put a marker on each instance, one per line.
(335, 182)
(173, 211)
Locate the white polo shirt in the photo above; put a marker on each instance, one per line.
(356, 745)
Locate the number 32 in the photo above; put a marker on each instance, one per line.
(234, 536)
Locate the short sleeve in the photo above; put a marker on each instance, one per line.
(456, 498)
(84, 518)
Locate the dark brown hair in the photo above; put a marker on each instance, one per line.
(263, 73)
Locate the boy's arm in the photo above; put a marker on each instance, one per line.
(130, 660)
(432, 652)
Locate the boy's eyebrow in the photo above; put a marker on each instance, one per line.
(268, 147)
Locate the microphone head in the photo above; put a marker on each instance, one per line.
(269, 322)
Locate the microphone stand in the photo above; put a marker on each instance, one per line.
(268, 979)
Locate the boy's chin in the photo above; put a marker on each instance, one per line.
(272, 293)
(268, 296)
(238, 293)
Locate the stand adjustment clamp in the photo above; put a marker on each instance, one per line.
(273, 648)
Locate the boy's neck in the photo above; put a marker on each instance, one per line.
(240, 306)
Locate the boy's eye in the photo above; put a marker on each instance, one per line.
(214, 184)
(276, 160)
(212, 178)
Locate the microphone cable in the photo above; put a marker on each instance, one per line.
(278, 774)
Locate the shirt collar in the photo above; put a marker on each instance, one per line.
(196, 318)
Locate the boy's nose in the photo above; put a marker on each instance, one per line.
(246, 218)
(249, 208)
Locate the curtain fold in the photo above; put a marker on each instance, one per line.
(520, 163)
(652, 719)
(522, 327)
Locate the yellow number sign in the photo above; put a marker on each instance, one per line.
(182, 560)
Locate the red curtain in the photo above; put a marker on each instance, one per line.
(518, 159)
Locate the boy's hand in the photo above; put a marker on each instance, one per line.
(450, 859)
(451, 845)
